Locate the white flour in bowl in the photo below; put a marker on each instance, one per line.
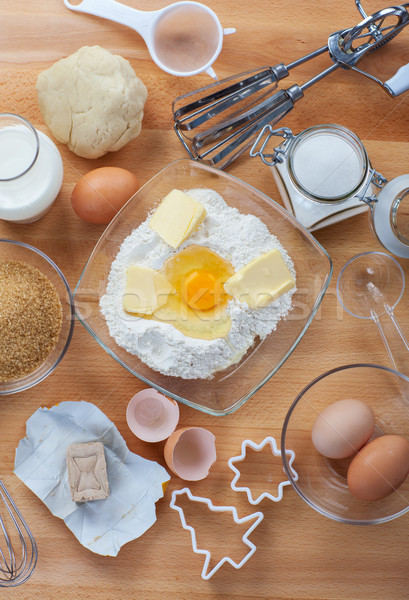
(236, 237)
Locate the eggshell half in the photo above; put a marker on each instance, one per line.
(190, 452)
(379, 468)
(151, 416)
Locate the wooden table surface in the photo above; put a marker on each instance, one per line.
(300, 554)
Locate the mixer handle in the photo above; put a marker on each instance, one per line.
(399, 83)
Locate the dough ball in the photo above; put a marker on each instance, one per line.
(92, 101)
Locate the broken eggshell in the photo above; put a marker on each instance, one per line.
(190, 452)
(151, 416)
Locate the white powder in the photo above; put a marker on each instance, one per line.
(237, 238)
(327, 165)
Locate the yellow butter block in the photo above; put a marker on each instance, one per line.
(146, 290)
(261, 281)
(177, 217)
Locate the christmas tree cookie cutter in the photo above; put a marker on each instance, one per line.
(257, 447)
(257, 516)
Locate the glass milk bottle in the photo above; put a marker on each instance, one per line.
(31, 170)
(323, 174)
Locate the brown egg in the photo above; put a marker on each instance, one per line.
(101, 193)
(342, 428)
(379, 468)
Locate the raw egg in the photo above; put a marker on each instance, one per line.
(342, 428)
(200, 290)
(196, 306)
(101, 193)
(379, 468)
(190, 452)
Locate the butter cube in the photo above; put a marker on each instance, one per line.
(146, 290)
(261, 281)
(177, 217)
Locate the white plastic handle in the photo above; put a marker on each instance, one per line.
(115, 11)
(399, 83)
(145, 22)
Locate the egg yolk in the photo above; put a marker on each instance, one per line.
(201, 290)
(196, 307)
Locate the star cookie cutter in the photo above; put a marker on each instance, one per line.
(258, 516)
(276, 452)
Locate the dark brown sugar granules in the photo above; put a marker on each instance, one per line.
(30, 319)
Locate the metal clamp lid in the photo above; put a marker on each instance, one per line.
(271, 159)
(375, 179)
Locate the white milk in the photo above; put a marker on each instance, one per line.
(29, 196)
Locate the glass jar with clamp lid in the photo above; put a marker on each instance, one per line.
(324, 175)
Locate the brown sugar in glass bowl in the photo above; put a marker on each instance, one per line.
(36, 316)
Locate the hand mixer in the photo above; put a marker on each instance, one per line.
(18, 549)
(220, 120)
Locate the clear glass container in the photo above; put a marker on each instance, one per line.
(19, 251)
(31, 170)
(320, 174)
(322, 482)
(400, 216)
(324, 175)
(327, 163)
(390, 216)
(230, 388)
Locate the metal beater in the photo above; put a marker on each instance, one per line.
(18, 549)
(220, 121)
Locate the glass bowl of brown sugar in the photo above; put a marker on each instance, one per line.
(36, 316)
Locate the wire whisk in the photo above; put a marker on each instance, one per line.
(18, 548)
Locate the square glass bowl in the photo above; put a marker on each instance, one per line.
(230, 388)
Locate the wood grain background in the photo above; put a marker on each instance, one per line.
(300, 554)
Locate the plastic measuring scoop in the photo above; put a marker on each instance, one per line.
(183, 39)
(369, 286)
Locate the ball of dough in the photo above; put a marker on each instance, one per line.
(92, 101)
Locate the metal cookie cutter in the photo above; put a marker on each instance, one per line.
(273, 445)
(258, 516)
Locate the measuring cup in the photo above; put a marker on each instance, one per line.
(369, 286)
(183, 39)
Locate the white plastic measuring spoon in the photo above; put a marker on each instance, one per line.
(183, 39)
(369, 286)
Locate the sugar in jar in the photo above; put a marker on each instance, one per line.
(324, 175)
(31, 170)
(321, 173)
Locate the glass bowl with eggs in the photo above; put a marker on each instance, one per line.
(202, 286)
(349, 429)
(36, 316)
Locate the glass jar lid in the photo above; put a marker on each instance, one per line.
(400, 216)
(327, 163)
(390, 216)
